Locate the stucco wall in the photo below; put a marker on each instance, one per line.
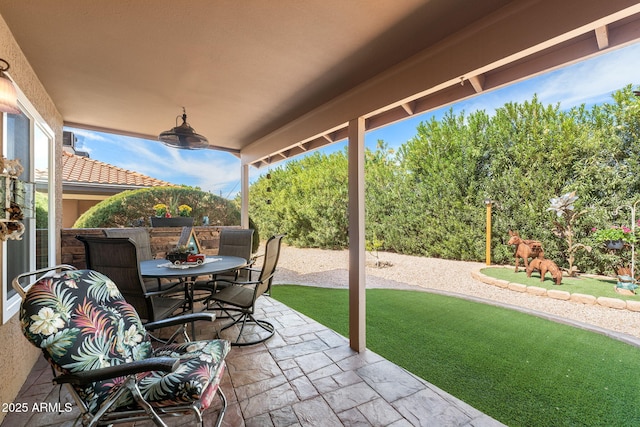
(17, 356)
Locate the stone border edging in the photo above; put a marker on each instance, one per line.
(616, 303)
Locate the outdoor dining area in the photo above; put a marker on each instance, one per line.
(202, 343)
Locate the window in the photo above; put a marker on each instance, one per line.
(27, 137)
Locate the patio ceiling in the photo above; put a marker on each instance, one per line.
(269, 80)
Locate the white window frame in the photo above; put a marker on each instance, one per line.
(11, 304)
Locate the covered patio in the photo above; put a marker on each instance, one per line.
(267, 82)
(306, 375)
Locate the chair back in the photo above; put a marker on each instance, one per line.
(140, 237)
(236, 242)
(271, 255)
(118, 259)
(81, 322)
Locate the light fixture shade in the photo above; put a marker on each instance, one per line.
(183, 136)
(8, 94)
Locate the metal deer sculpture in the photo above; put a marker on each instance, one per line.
(525, 249)
(545, 265)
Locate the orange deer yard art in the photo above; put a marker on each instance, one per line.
(545, 265)
(525, 249)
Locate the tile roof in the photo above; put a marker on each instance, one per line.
(78, 169)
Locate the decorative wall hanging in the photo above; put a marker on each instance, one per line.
(13, 199)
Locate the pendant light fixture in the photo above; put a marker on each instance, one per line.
(183, 136)
(8, 94)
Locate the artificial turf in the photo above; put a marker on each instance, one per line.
(519, 369)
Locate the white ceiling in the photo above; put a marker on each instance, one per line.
(283, 76)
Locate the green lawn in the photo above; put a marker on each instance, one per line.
(581, 285)
(517, 368)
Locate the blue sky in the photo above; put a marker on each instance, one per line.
(589, 82)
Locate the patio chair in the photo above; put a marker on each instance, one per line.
(233, 242)
(236, 242)
(118, 259)
(96, 344)
(238, 300)
(141, 238)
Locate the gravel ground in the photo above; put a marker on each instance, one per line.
(329, 268)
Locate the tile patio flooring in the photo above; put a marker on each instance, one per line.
(306, 375)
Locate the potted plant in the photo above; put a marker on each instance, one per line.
(614, 237)
(161, 210)
(184, 210)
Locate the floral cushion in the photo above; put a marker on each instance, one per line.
(81, 322)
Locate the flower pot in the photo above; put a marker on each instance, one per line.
(179, 221)
(614, 244)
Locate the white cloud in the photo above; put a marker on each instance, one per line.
(210, 170)
(592, 81)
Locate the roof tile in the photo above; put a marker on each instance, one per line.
(85, 170)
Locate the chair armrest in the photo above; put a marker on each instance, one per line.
(243, 283)
(169, 290)
(165, 364)
(180, 320)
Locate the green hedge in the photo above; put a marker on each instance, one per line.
(428, 197)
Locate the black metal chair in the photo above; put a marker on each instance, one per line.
(238, 299)
(141, 238)
(233, 242)
(118, 259)
(97, 345)
(236, 242)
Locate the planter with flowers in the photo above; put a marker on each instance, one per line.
(615, 241)
(614, 237)
(163, 217)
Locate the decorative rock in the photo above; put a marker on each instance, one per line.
(536, 290)
(560, 295)
(501, 283)
(633, 305)
(518, 287)
(479, 276)
(612, 303)
(563, 295)
(583, 298)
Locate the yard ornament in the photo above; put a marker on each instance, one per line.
(525, 249)
(544, 265)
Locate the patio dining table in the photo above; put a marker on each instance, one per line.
(187, 273)
(161, 268)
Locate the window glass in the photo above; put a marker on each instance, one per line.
(43, 203)
(18, 147)
(27, 137)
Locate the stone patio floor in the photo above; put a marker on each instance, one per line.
(306, 375)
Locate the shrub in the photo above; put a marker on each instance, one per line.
(134, 207)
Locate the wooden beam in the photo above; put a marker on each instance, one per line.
(477, 82)
(602, 36)
(408, 107)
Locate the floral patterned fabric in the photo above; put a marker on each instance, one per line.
(81, 322)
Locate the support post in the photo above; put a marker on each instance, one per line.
(244, 196)
(488, 202)
(357, 323)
